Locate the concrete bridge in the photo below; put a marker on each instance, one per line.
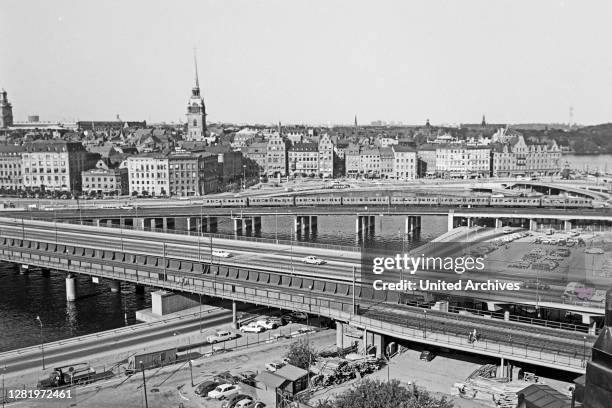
(183, 268)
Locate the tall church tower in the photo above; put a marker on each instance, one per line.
(6, 111)
(196, 111)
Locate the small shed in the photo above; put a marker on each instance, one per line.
(542, 396)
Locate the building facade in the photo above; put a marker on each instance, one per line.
(148, 174)
(56, 165)
(10, 167)
(208, 174)
(512, 156)
(257, 153)
(427, 160)
(303, 159)
(276, 156)
(6, 111)
(183, 175)
(461, 161)
(352, 160)
(103, 180)
(369, 164)
(326, 156)
(405, 163)
(386, 162)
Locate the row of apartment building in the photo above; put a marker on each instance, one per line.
(507, 154)
(69, 167)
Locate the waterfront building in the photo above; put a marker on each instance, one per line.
(148, 174)
(303, 159)
(386, 162)
(10, 167)
(276, 156)
(427, 160)
(104, 180)
(257, 154)
(326, 156)
(461, 161)
(405, 162)
(56, 165)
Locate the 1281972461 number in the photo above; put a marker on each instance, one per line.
(20, 394)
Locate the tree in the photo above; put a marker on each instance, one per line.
(378, 394)
(301, 354)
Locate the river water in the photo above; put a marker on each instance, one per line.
(590, 162)
(26, 296)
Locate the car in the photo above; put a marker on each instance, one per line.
(225, 378)
(274, 365)
(127, 207)
(216, 350)
(252, 328)
(267, 324)
(287, 319)
(234, 399)
(221, 335)
(507, 230)
(247, 377)
(313, 260)
(427, 355)
(249, 403)
(278, 321)
(299, 316)
(220, 253)
(224, 391)
(205, 387)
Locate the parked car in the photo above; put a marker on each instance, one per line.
(221, 335)
(232, 401)
(277, 320)
(267, 324)
(249, 403)
(224, 391)
(252, 328)
(274, 365)
(299, 316)
(427, 355)
(313, 260)
(205, 387)
(286, 319)
(225, 378)
(221, 253)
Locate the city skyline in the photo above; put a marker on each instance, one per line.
(259, 63)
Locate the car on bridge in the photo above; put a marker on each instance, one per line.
(252, 328)
(221, 253)
(313, 260)
(221, 335)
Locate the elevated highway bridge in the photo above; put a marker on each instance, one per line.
(269, 274)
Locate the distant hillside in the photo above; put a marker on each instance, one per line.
(586, 140)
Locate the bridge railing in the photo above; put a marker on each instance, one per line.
(204, 235)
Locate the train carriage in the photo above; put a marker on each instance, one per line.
(404, 200)
(271, 201)
(429, 200)
(382, 200)
(318, 200)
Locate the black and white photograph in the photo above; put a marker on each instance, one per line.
(305, 204)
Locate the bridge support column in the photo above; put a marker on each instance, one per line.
(212, 224)
(203, 224)
(451, 220)
(234, 320)
(115, 286)
(71, 290)
(313, 223)
(498, 223)
(138, 223)
(97, 222)
(533, 225)
(191, 225)
(237, 225)
(358, 225)
(339, 335)
(567, 225)
(169, 223)
(297, 225)
(248, 226)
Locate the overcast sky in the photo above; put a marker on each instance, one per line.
(309, 61)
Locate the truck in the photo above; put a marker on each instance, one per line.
(153, 359)
(80, 373)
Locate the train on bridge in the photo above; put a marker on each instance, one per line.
(397, 200)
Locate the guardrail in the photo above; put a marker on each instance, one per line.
(98, 335)
(219, 289)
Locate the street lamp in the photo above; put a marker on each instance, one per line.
(243, 176)
(425, 330)
(144, 384)
(42, 342)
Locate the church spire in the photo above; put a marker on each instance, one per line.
(195, 63)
